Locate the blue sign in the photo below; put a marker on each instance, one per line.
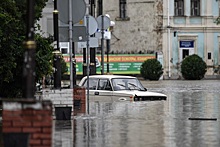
(186, 44)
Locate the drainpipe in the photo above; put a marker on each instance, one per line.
(168, 29)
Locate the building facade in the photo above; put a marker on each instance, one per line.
(190, 28)
(173, 28)
(137, 27)
(137, 24)
(46, 22)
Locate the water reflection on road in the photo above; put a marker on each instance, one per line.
(149, 124)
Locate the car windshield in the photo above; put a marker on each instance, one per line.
(127, 84)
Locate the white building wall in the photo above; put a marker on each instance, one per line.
(46, 22)
(202, 30)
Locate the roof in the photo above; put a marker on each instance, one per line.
(111, 76)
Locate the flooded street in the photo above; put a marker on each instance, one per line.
(150, 123)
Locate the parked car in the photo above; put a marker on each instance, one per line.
(118, 87)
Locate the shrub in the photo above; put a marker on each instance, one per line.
(193, 68)
(151, 69)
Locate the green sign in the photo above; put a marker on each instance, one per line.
(118, 63)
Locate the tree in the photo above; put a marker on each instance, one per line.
(44, 57)
(10, 47)
(64, 68)
(12, 36)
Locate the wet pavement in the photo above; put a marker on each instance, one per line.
(167, 123)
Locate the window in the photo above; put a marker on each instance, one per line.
(104, 84)
(209, 56)
(64, 50)
(122, 7)
(179, 7)
(92, 84)
(195, 7)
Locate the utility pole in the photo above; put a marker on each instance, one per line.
(57, 54)
(108, 49)
(29, 56)
(92, 50)
(100, 11)
(74, 64)
(84, 62)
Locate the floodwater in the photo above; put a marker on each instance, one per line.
(149, 124)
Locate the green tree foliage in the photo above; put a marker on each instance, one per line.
(151, 69)
(64, 68)
(44, 56)
(12, 36)
(11, 51)
(193, 68)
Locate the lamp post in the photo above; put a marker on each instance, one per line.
(100, 12)
(57, 55)
(92, 49)
(29, 56)
(108, 45)
(108, 49)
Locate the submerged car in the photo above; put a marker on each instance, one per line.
(117, 87)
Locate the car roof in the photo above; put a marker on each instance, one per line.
(104, 77)
(109, 76)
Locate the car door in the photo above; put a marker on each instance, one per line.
(104, 90)
(93, 82)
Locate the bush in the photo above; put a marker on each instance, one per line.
(193, 68)
(151, 69)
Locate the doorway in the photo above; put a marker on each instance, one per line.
(184, 52)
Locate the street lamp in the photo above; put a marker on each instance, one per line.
(57, 54)
(30, 52)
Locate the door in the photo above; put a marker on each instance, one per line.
(104, 91)
(184, 52)
(93, 82)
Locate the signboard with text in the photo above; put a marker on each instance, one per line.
(118, 63)
(186, 44)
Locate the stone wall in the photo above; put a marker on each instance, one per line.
(59, 98)
(74, 98)
(142, 31)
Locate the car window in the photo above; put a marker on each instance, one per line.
(126, 84)
(92, 83)
(104, 84)
(118, 84)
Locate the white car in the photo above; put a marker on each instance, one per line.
(117, 87)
